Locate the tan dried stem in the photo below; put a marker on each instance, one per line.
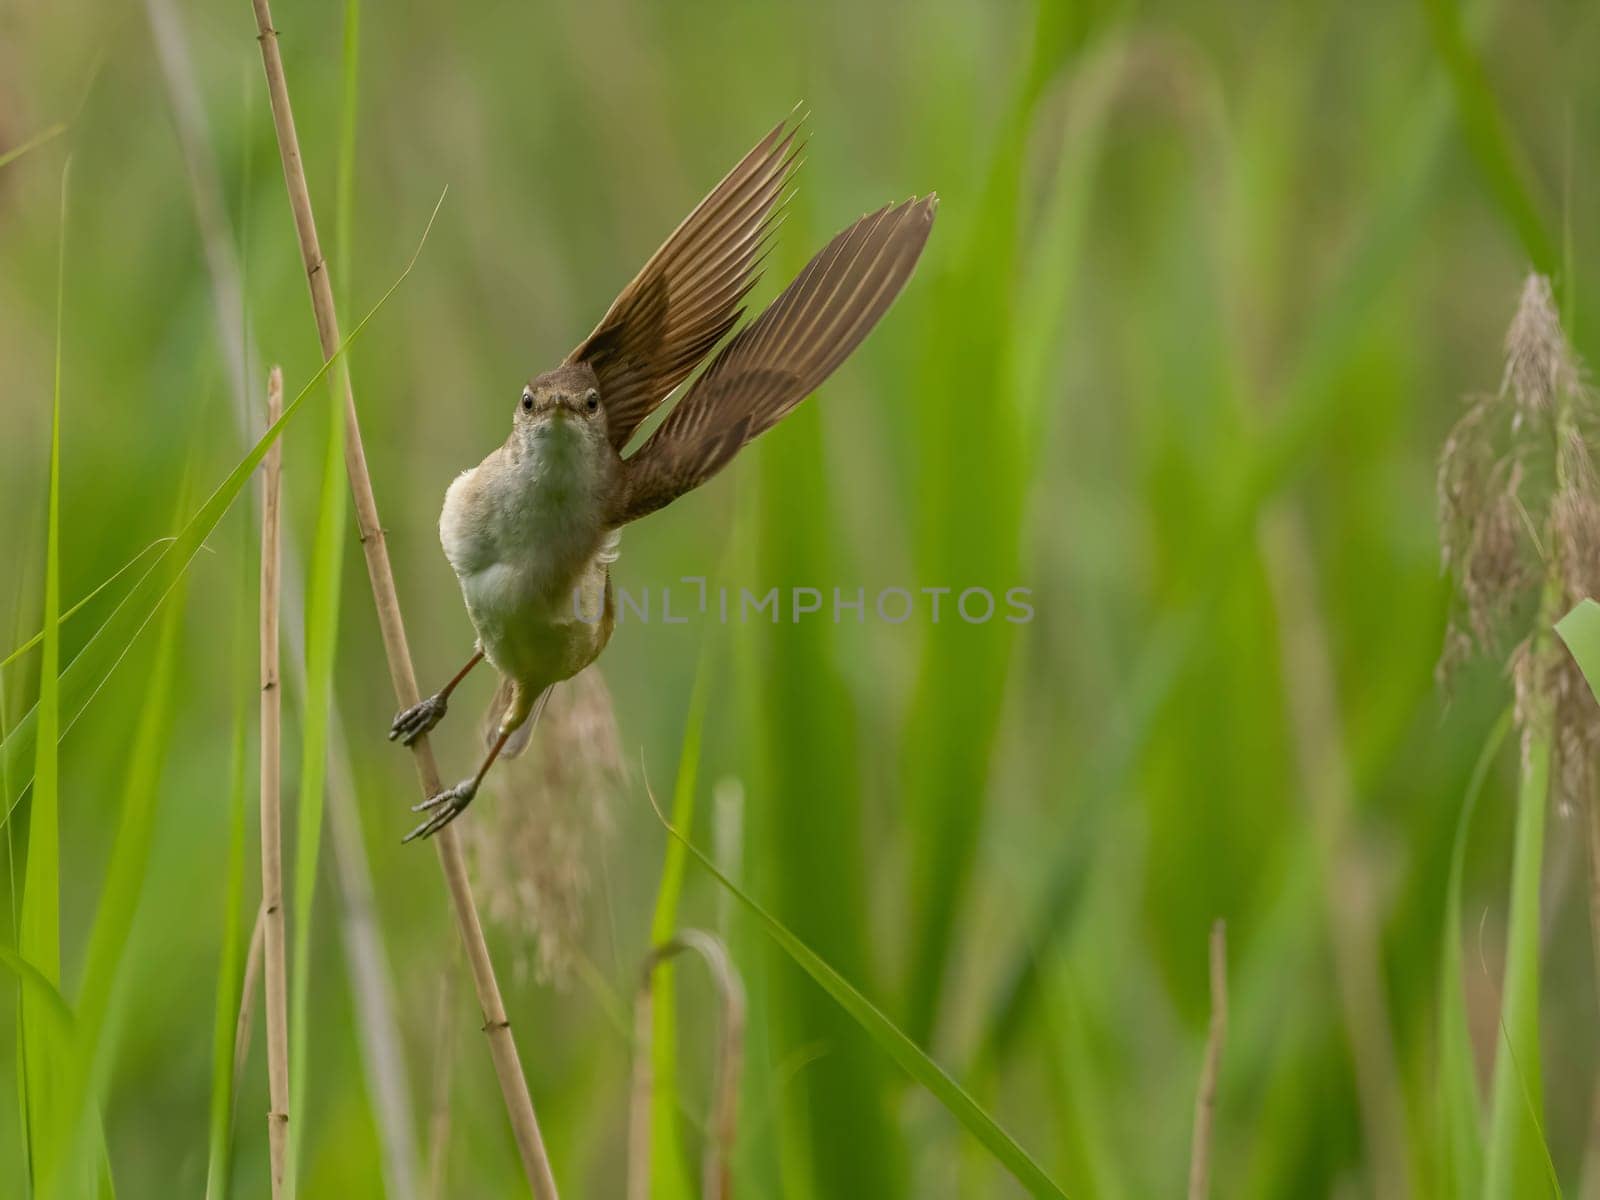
(502, 1048)
(1205, 1101)
(271, 799)
(716, 1167)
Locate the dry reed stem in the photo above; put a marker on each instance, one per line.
(717, 1164)
(1205, 1101)
(271, 813)
(502, 1048)
(365, 960)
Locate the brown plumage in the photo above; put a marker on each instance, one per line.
(534, 526)
(687, 296)
(779, 359)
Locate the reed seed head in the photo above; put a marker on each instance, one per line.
(1519, 531)
(532, 848)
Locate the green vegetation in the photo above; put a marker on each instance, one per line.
(1209, 291)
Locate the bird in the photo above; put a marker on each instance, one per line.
(532, 531)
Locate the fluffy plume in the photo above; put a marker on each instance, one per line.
(1519, 529)
(532, 847)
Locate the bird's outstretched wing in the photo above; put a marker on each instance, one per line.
(687, 296)
(780, 358)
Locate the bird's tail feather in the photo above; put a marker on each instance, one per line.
(503, 697)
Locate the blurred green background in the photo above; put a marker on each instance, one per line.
(1207, 287)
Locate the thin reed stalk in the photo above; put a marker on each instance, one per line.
(502, 1047)
(271, 811)
(1205, 1101)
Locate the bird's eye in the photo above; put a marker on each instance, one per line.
(592, 400)
(527, 401)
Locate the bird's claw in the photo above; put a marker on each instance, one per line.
(418, 719)
(442, 809)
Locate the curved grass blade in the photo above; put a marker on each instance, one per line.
(46, 1054)
(322, 636)
(220, 1154)
(86, 600)
(87, 673)
(947, 749)
(1514, 1164)
(1461, 1107)
(1580, 630)
(669, 1172)
(888, 1036)
(13, 908)
(124, 883)
(1312, 404)
(48, 134)
(36, 983)
(1487, 136)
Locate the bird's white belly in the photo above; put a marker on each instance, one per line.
(528, 549)
(529, 634)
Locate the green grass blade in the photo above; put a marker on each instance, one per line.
(124, 884)
(46, 1054)
(48, 1000)
(1487, 136)
(1516, 1155)
(836, 1133)
(48, 134)
(322, 638)
(1461, 1107)
(105, 583)
(1085, 1148)
(1580, 630)
(13, 908)
(1046, 286)
(220, 1152)
(344, 194)
(323, 587)
(1311, 408)
(125, 874)
(87, 673)
(669, 1171)
(948, 746)
(48, 1007)
(886, 1034)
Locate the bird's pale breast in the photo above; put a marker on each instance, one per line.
(523, 534)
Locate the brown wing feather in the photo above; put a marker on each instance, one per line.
(687, 296)
(779, 359)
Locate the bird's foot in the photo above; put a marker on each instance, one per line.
(443, 808)
(418, 719)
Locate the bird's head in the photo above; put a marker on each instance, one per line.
(565, 398)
